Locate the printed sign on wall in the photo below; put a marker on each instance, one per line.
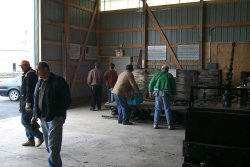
(188, 52)
(74, 51)
(157, 52)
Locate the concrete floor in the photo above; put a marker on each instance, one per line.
(91, 141)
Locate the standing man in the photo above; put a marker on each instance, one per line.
(163, 87)
(124, 89)
(95, 81)
(110, 77)
(51, 101)
(29, 80)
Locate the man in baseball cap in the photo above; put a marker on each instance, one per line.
(24, 63)
(29, 80)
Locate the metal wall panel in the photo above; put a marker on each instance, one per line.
(189, 15)
(50, 32)
(53, 51)
(53, 11)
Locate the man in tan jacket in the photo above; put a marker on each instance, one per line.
(95, 81)
(124, 89)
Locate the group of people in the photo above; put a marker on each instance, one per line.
(162, 87)
(46, 96)
(95, 81)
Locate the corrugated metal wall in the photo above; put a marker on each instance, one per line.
(53, 35)
(180, 24)
(228, 12)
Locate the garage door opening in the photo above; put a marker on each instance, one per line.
(17, 36)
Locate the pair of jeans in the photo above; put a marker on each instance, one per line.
(159, 102)
(53, 132)
(30, 133)
(96, 96)
(109, 94)
(123, 108)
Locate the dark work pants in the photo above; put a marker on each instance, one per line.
(96, 95)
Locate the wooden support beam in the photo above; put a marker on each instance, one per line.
(80, 7)
(73, 5)
(144, 35)
(201, 15)
(126, 46)
(98, 28)
(186, 63)
(164, 38)
(83, 48)
(66, 48)
(122, 30)
(61, 24)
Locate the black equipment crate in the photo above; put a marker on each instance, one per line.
(217, 138)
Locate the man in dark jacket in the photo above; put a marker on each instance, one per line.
(51, 101)
(29, 80)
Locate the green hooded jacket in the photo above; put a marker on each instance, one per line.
(162, 82)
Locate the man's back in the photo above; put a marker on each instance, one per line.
(163, 81)
(111, 77)
(125, 84)
(95, 77)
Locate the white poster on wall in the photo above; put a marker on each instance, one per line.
(74, 51)
(188, 52)
(157, 52)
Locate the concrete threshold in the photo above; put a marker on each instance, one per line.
(92, 141)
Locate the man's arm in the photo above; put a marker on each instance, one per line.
(133, 83)
(31, 81)
(89, 79)
(35, 100)
(152, 84)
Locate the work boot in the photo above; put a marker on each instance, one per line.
(29, 143)
(40, 142)
(170, 127)
(127, 123)
(156, 127)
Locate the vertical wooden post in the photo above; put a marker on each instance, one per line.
(144, 35)
(66, 63)
(201, 15)
(98, 29)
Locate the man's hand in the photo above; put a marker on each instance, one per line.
(28, 107)
(150, 95)
(33, 120)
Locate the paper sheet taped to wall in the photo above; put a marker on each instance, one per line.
(74, 51)
(188, 52)
(157, 52)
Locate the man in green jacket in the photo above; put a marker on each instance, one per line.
(163, 87)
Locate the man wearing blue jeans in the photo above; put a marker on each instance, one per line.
(162, 86)
(123, 90)
(51, 101)
(29, 80)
